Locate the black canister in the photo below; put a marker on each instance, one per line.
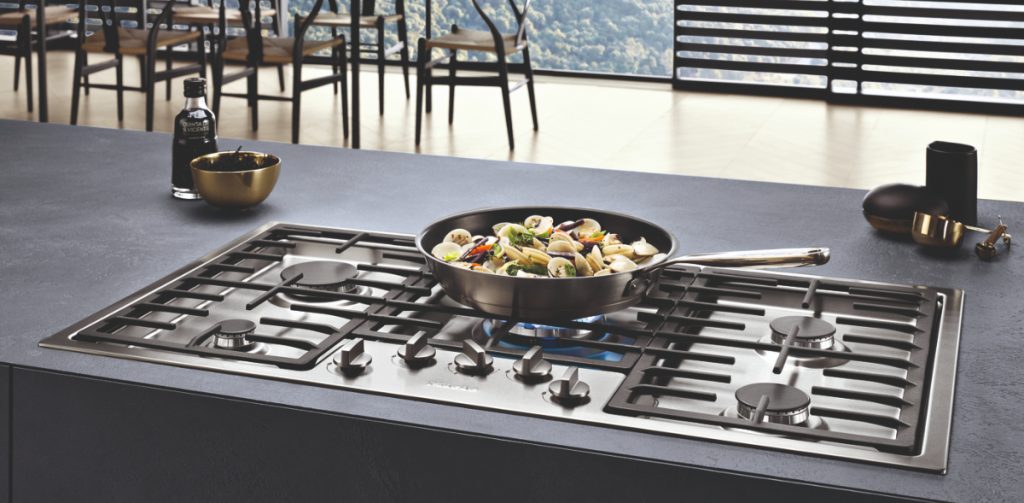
(953, 175)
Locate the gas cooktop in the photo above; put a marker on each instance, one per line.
(840, 368)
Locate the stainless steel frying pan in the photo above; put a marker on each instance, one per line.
(561, 299)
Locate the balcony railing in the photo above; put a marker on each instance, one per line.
(937, 52)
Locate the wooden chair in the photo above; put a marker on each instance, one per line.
(26, 24)
(207, 16)
(119, 41)
(336, 20)
(254, 50)
(492, 41)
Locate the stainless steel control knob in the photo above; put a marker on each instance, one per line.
(532, 367)
(353, 358)
(473, 359)
(416, 352)
(569, 389)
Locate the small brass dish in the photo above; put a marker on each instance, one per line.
(235, 179)
(937, 230)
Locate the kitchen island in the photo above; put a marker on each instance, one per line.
(86, 218)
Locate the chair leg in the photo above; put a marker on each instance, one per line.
(503, 75)
(142, 71)
(167, 66)
(421, 63)
(296, 100)
(380, 64)
(85, 62)
(451, 86)
(403, 37)
(151, 88)
(280, 77)
(17, 69)
(334, 59)
(27, 38)
(76, 88)
(218, 77)
(119, 69)
(343, 65)
(253, 84)
(529, 86)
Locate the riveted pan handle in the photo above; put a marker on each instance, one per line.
(750, 259)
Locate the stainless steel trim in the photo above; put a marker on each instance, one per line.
(438, 383)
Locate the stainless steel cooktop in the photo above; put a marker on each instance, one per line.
(840, 368)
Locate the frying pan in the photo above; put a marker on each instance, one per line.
(562, 299)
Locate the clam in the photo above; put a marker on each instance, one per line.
(504, 231)
(596, 259)
(480, 268)
(643, 249)
(463, 265)
(583, 267)
(561, 236)
(560, 267)
(459, 237)
(561, 247)
(610, 239)
(538, 244)
(496, 228)
(447, 251)
(618, 249)
(539, 225)
(603, 272)
(588, 227)
(622, 264)
(536, 256)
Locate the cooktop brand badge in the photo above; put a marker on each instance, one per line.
(451, 386)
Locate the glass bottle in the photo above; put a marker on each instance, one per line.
(195, 134)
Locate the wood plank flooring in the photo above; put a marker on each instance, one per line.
(602, 124)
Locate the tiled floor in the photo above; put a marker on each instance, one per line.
(606, 124)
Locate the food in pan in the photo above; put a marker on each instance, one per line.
(538, 248)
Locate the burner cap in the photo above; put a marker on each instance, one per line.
(231, 334)
(786, 404)
(322, 275)
(814, 332)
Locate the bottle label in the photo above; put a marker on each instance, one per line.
(195, 129)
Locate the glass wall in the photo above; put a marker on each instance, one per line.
(607, 36)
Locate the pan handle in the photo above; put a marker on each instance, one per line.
(752, 259)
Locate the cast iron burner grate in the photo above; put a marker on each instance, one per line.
(314, 282)
(872, 389)
(614, 341)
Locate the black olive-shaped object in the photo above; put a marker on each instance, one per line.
(890, 208)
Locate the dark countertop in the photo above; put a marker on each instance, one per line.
(86, 218)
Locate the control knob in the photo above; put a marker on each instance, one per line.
(569, 389)
(473, 359)
(532, 367)
(353, 358)
(416, 352)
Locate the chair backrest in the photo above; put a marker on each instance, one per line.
(520, 15)
(251, 22)
(367, 7)
(112, 14)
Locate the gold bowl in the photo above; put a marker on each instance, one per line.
(937, 230)
(235, 179)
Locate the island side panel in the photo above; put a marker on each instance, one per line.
(78, 436)
(5, 434)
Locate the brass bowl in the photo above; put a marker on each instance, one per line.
(221, 183)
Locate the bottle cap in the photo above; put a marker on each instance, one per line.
(195, 87)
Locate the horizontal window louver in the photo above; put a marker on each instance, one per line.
(934, 51)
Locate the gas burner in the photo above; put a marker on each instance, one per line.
(779, 403)
(812, 333)
(327, 276)
(233, 335)
(554, 340)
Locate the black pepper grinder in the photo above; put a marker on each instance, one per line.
(952, 174)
